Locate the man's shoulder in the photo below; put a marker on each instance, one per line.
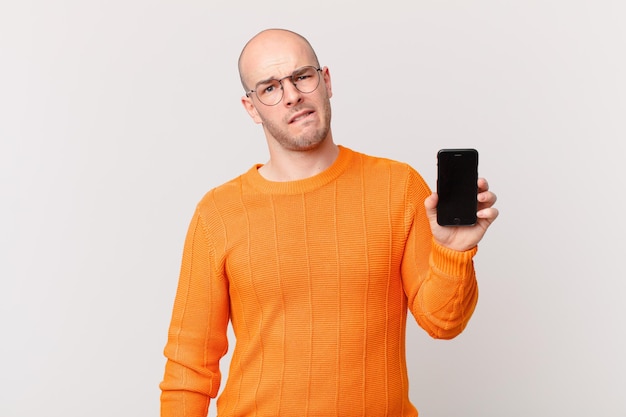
(224, 191)
(378, 162)
(381, 168)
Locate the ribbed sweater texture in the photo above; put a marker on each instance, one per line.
(316, 276)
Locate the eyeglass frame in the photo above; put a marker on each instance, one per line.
(280, 82)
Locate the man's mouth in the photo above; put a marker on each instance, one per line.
(300, 116)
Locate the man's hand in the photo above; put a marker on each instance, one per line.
(462, 238)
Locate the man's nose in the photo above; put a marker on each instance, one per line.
(291, 95)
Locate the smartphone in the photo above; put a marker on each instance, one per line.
(457, 177)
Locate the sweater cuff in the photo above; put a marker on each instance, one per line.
(451, 262)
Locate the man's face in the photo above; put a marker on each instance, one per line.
(300, 121)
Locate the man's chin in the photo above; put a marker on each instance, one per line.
(301, 145)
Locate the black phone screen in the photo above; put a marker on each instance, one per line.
(457, 175)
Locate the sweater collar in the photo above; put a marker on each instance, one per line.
(256, 180)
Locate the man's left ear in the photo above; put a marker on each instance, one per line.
(327, 83)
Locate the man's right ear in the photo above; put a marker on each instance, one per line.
(251, 109)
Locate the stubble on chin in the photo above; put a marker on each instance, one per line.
(303, 142)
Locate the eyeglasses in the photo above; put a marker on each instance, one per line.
(270, 92)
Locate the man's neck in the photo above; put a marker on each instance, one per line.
(287, 165)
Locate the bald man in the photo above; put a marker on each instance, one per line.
(315, 257)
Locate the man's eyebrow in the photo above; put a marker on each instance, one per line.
(294, 72)
(267, 80)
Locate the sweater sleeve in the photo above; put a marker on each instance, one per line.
(197, 334)
(440, 283)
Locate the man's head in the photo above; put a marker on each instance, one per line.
(299, 120)
(265, 37)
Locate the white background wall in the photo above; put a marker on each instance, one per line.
(117, 116)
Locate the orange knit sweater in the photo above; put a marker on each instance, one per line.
(316, 276)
